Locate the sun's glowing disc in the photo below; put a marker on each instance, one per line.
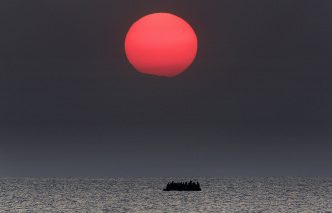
(161, 44)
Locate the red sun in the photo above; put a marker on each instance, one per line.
(161, 44)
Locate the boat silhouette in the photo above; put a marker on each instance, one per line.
(183, 186)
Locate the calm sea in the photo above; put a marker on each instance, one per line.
(275, 194)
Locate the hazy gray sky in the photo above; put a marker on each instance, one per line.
(257, 101)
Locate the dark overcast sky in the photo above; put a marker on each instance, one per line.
(257, 101)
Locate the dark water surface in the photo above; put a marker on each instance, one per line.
(288, 194)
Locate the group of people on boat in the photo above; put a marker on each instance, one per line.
(183, 186)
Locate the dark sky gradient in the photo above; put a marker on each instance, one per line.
(257, 101)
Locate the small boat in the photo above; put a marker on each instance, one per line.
(183, 186)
